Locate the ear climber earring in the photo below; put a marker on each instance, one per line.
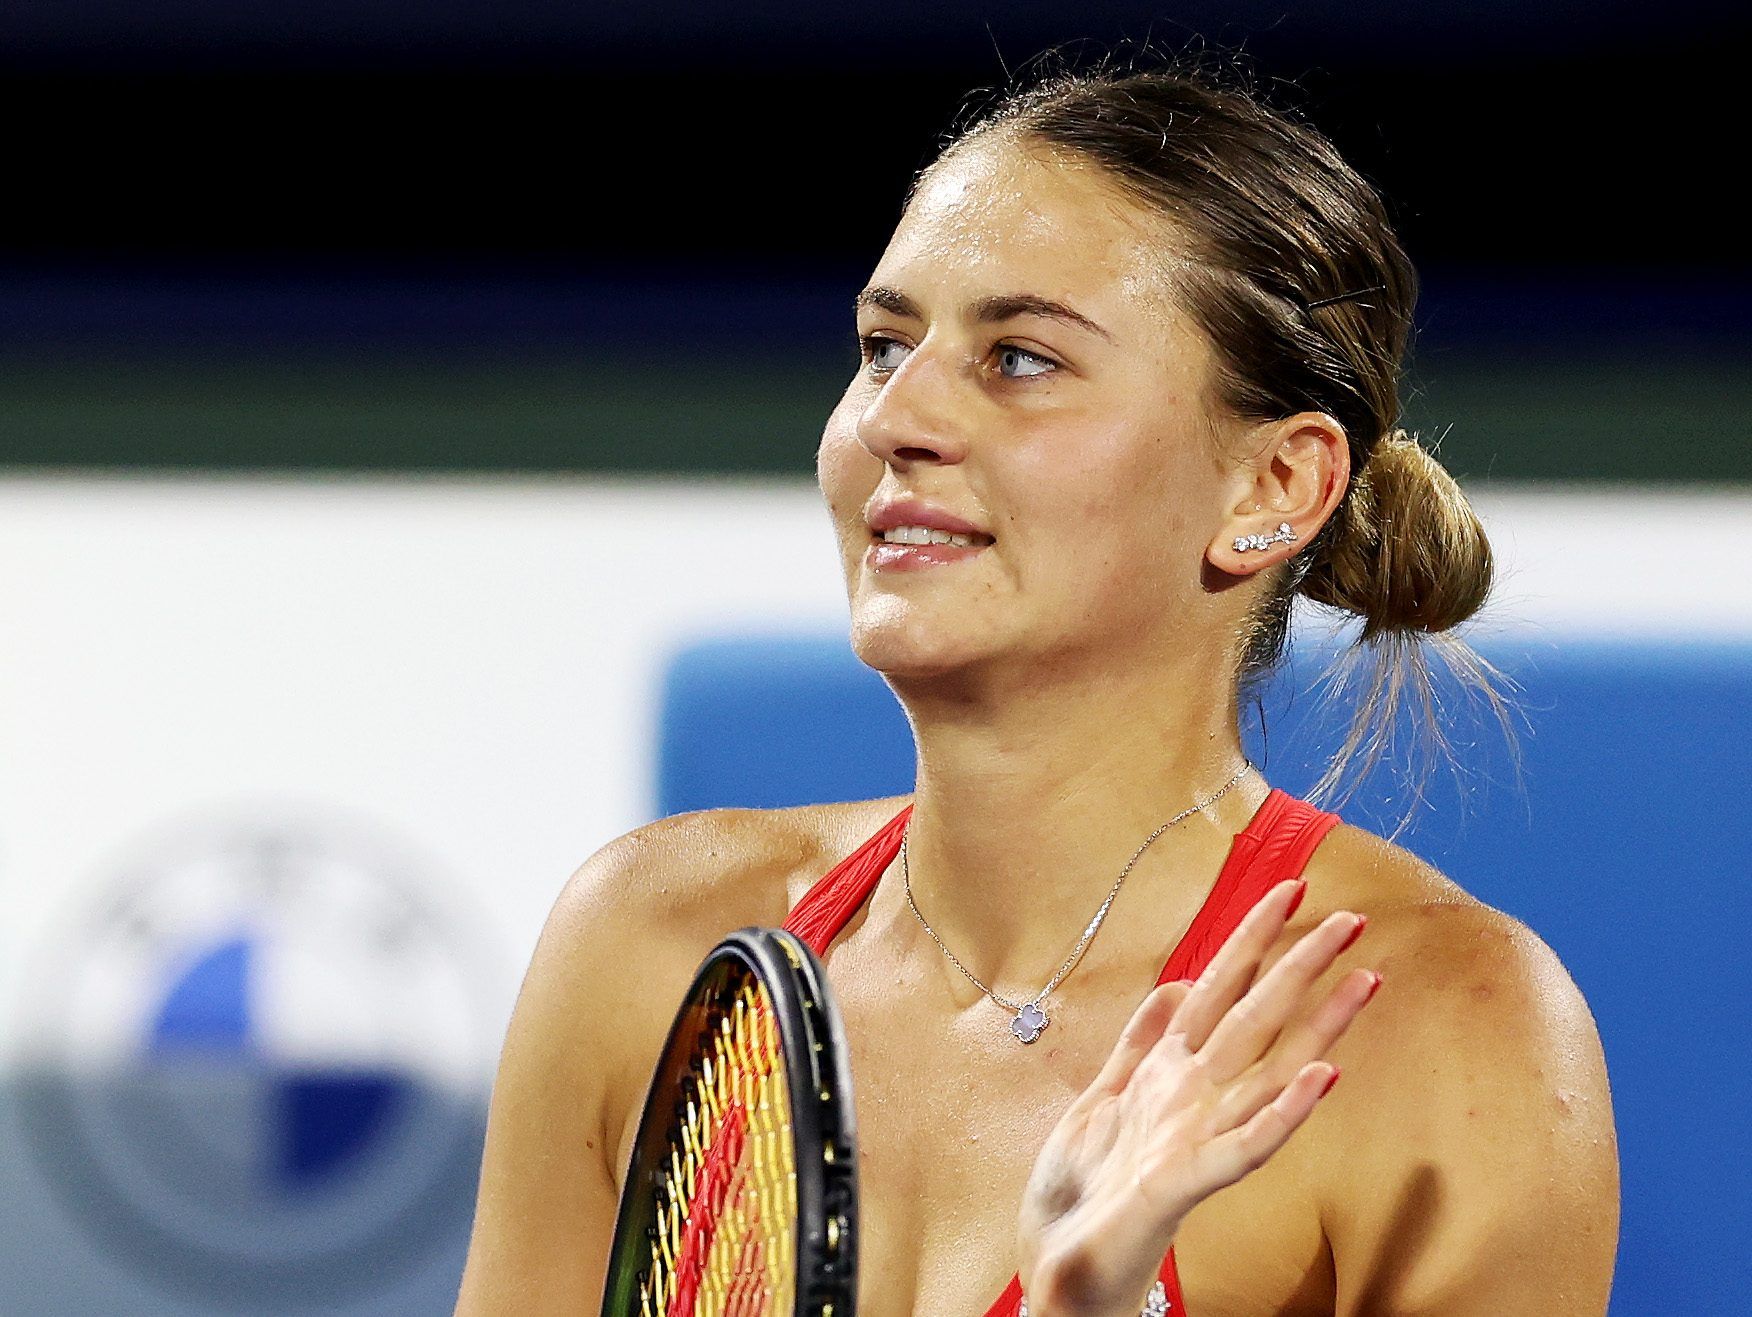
(1283, 535)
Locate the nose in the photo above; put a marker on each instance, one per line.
(914, 415)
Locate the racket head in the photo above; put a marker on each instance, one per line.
(741, 1192)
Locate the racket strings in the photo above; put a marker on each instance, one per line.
(724, 1244)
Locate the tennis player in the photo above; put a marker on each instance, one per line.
(1129, 388)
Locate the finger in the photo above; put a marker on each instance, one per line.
(1232, 969)
(1253, 1024)
(1305, 1042)
(1228, 1157)
(1140, 1034)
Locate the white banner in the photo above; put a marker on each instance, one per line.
(292, 770)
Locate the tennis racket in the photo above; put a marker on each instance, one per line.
(741, 1196)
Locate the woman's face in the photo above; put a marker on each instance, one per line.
(1025, 375)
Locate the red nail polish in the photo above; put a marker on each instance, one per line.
(1329, 1083)
(1373, 987)
(1362, 923)
(1296, 900)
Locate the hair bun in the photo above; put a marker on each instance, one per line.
(1409, 553)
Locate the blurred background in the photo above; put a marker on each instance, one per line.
(407, 417)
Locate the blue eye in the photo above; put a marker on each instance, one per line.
(872, 346)
(1008, 355)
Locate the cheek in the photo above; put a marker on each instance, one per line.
(1077, 472)
(845, 470)
(1115, 499)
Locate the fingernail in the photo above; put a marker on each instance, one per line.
(1373, 987)
(1296, 900)
(1362, 923)
(1329, 1083)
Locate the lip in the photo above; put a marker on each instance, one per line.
(892, 513)
(885, 516)
(881, 557)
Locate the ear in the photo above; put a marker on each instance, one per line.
(1296, 471)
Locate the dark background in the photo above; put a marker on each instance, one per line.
(386, 235)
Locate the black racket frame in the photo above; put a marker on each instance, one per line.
(823, 1125)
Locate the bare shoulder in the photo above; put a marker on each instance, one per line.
(661, 896)
(619, 947)
(1472, 1143)
(697, 876)
(1451, 950)
(1354, 869)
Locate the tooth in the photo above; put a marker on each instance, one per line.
(926, 535)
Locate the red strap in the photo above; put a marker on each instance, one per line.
(828, 904)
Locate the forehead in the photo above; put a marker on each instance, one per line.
(1002, 216)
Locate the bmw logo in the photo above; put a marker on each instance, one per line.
(256, 1068)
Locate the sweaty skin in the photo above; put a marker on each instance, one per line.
(1070, 686)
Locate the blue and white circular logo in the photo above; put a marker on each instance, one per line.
(256, 1070)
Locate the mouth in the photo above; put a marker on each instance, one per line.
(922, 536)
(922, 548)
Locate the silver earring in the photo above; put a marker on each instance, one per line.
(1283, 535)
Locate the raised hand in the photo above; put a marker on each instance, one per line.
(1205, 1083)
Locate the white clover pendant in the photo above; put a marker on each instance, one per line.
(1030, 1023)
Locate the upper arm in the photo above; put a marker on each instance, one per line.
(545, 1210)
(1480, 1160)
(614, 957)
(546, 1203)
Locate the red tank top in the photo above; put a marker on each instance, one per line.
(1274, 845)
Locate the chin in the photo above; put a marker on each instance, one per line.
(897, 642)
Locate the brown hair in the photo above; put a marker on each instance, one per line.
(1294, 272)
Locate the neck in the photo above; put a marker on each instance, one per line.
(1028, 806)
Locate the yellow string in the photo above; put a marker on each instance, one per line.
(749, 1266)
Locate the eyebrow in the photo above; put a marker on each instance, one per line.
(987, 310)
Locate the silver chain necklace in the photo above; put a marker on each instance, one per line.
(1031, 1019)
